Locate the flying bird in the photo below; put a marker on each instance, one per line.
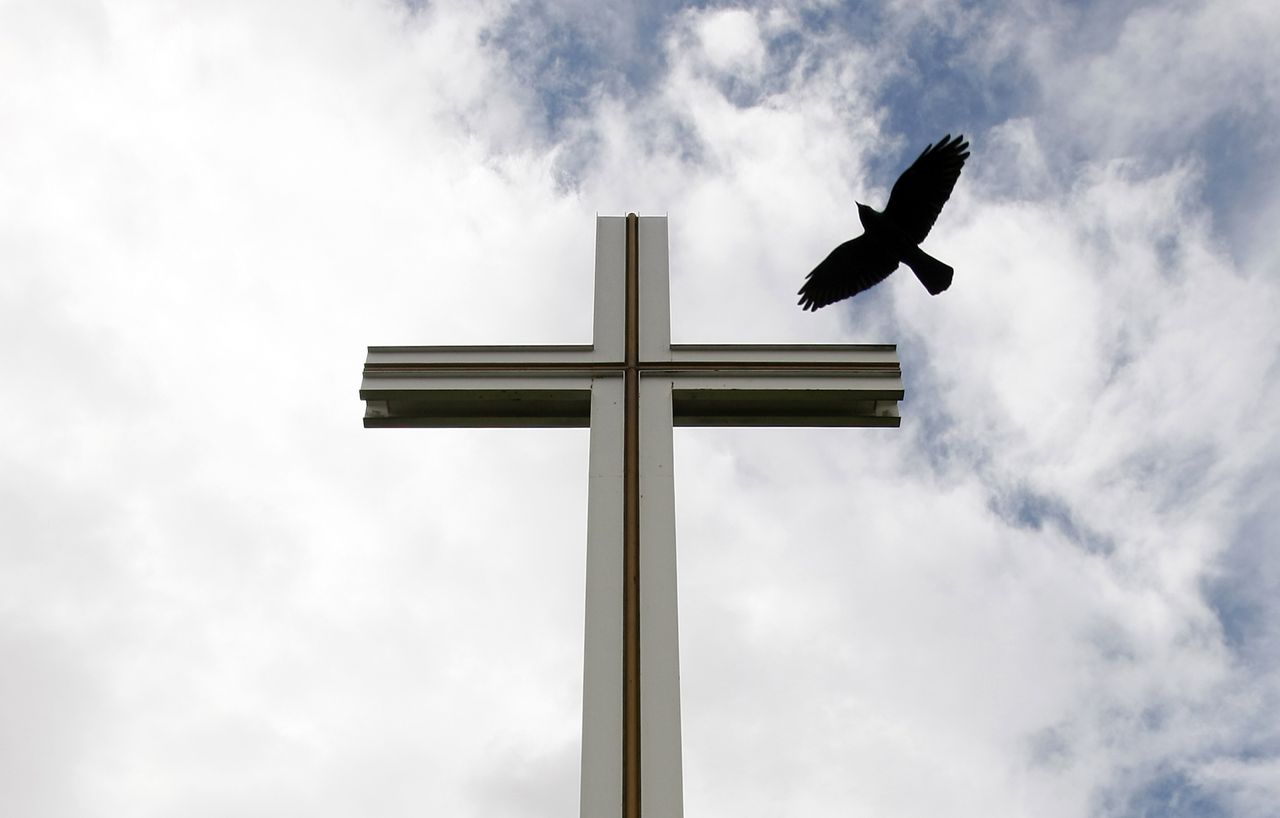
(894, 236)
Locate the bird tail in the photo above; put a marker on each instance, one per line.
(933, 274)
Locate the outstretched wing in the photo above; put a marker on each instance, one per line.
(854, 266)
(918, 195)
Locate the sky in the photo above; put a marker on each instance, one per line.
(1053, 591)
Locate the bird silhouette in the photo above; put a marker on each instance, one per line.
(893, 237)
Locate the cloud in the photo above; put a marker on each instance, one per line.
(730, 40)
(1048, 592)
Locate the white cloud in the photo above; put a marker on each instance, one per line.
(730, 41)
(223, 596)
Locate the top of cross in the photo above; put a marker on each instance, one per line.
(713, 384)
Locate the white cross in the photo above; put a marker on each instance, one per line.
(631, 386)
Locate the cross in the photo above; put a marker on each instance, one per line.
(631, 386)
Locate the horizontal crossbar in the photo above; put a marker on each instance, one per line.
(711, 385)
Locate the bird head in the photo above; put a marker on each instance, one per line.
(866, 214)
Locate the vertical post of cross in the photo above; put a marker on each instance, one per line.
(647, 748)
(653, 758)
(631, 757)
(603, 679)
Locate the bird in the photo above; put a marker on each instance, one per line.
(893, 237)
